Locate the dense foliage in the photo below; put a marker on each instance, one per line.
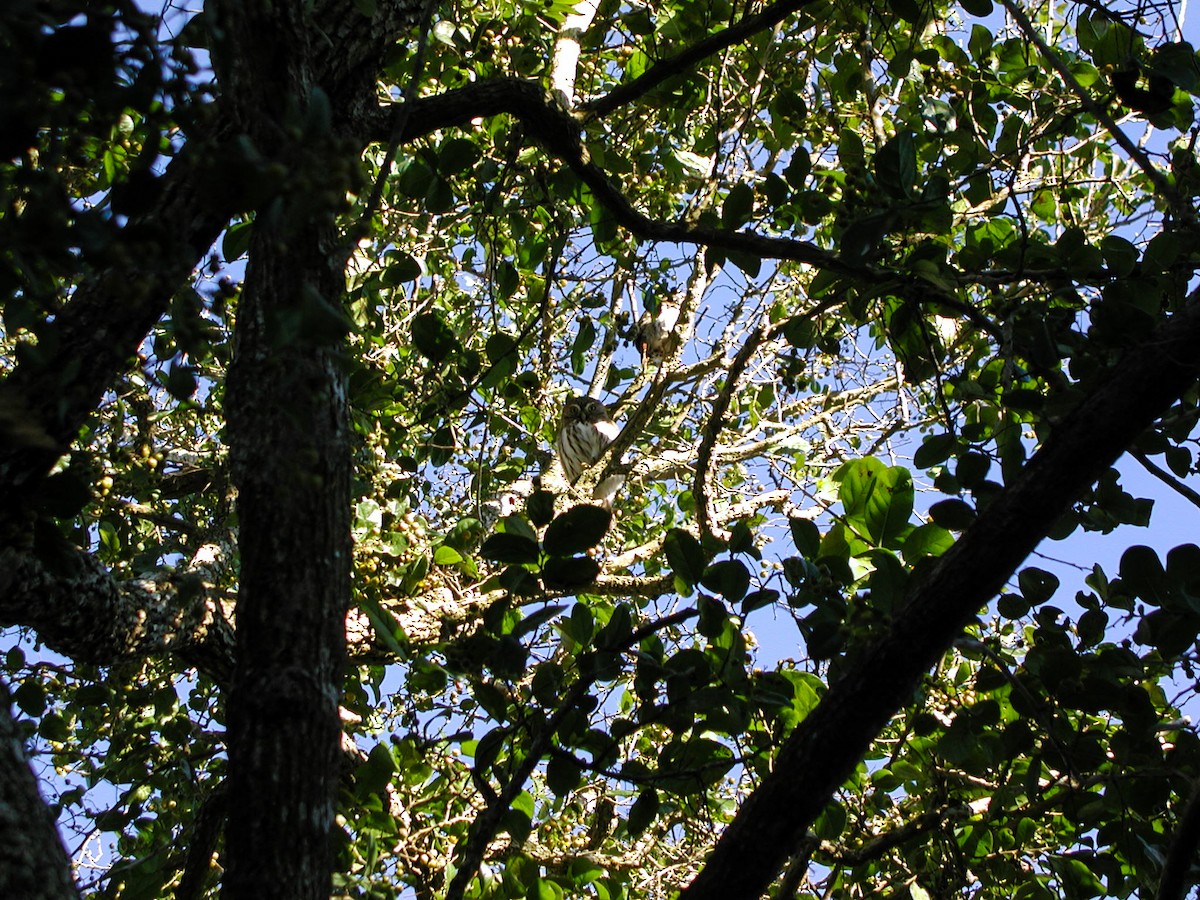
(293, 296)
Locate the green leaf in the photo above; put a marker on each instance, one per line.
(517, 525)
(383, 622)
(563, 775)
(180, 381)
(1012, 606)
(759, 599)
(1037, 585)
(53, 727)
(926, 540)
(30, 697)
(1142, 574)
(578, 529)
(375, 773)
(401, 267)
(540, 508)
(952, 514)
(446, 556)
(982, 9)
(695, 765)
(806, 536)
(581, 624)
(500, 346)
(456, 155)
(684, 555)
(1120, 256)
(713, 616)
(738, 206)
(1183, 568)
(908, 10)
(896, 165)
(617, 629)
(935, 449)
(878, 500)
(236, 242)
(537, 619)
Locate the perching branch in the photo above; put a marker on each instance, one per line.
(546, 120)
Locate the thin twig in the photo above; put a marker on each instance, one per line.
(1166, 477)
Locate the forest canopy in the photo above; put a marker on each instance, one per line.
(310, 589)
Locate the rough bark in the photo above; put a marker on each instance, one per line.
(81, 611)
(824, 749)
(288, 428)
(33, 861)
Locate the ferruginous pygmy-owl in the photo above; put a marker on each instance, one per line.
(586, 429)
(653, 331)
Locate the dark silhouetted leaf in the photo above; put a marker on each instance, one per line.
(509, 548)
(729, 578)
(566, 572)
(432, 337)
(578, 529)
(952, 514)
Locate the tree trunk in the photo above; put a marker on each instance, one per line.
(33, 862)
(288, 432)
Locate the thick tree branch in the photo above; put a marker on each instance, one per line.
(823, 750)
(46, 399)
(564, 61)
(79, 609)
(206, 831)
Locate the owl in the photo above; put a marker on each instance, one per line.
(585, 431)
(653, 331)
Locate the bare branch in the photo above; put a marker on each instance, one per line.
(713, 428)
(1102, 115)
